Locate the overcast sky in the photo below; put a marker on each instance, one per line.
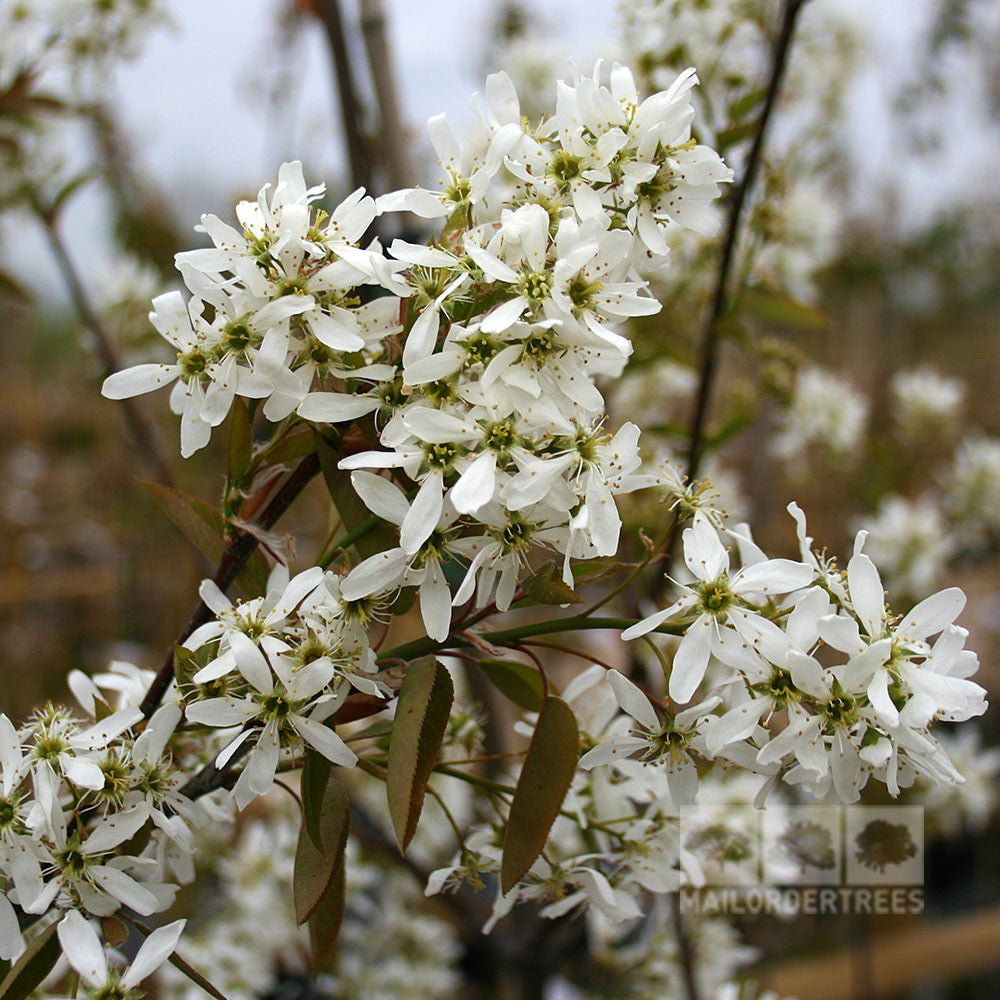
(192, 101)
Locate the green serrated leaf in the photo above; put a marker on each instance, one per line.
(517, 681)
(324, 924)
(425, 699)
(240, 451)
(315, 776)
(35, 963)
(545, 778)
(316, 867)
(783, 311)
(546, 586)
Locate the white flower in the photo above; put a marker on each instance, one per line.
(724, 606)
(82, 947)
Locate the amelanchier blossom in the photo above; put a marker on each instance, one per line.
(465, 379)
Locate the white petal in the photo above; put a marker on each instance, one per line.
(155, 950)
(380, 496)
(325, 740)
(423, 516)
(632, 701)
(82, 947)
(251, 661)
(124, 888)
(476, 486)
(137, 380)
(690, 660)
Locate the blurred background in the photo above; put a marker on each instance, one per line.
(859, 370)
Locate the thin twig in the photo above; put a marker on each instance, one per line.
(685, 948)
(709, 346)
(141, 427)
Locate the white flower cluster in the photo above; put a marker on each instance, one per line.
(824, 410)
(491, 406)
(390, 944)
(804, 681)
(860, 686)
(278, 667)
(91, 816)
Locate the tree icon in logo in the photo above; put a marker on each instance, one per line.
(721, 844)
(808, 844)
(881, 843)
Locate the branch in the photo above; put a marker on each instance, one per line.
(141, 427)
(232, 561)
(358, 148)
(709, 346)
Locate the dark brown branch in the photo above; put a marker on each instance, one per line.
(351, 114)
(232, 561)
(394, 150)
(140, 426)
(709, 346)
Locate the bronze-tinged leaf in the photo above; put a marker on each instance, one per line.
(316, 867)
(324, 924)
(114, 931)
(35, 963)
(204, 527)
(315, 777)
(200, 523)
(546, 586)
(545, 778)
(418, 729)
(517, 681)
(240, 452)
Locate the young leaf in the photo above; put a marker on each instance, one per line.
(324, 924)
(35, 963)
(742, 106)
(782, 311)
(201, 524)
(204, 527)
(316, 867)
(520, 683)
(240, 443)
(315, 777)
(545, 778)
(421, 719)
(546, 586)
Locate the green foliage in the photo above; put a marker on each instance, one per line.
(546, 586)
(425, 700)
(545, 778)
(520, 683)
